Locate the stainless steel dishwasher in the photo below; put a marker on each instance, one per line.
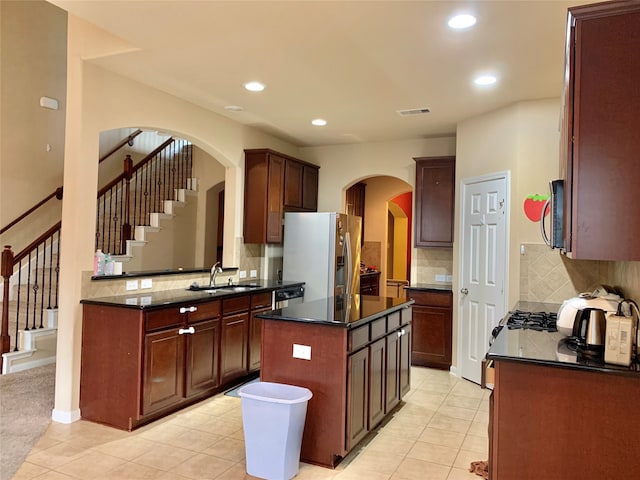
(287, 296)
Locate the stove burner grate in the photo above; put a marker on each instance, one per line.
(541, 321)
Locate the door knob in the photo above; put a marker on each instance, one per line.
(464, 291)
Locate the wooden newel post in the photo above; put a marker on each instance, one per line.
(126, 224)
(6, 269)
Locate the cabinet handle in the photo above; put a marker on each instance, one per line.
(182, 331)
(189, 309)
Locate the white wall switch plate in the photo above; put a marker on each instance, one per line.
(132, 284)
(243, 274)
(253, 273)
(302, 351)
(440, 278)
(131, 301)
(146, 300)
(146, 283)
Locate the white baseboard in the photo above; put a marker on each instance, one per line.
(453, 370)
(62, 416)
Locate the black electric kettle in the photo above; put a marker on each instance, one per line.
(589, 329)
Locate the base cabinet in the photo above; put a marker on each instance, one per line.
(139, 365)
(585, 429)
(357, 377)
(432, 328)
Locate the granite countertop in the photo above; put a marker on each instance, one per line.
(550, 349)
(446, 287)
(335, 311)
(151, 299)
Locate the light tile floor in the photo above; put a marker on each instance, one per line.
(435, 435)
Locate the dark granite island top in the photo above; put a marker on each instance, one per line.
(338, 311)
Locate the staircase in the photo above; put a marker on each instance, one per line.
(145, 198)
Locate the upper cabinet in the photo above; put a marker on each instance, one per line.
(435, 189)
(600, 142)
(273, 184)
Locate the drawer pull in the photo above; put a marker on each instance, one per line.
(401, 332)
(182, 331)
(188, 309)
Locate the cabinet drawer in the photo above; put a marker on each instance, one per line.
(378, 328)
(432, 299)
(235, 304)
(162, 319)
(393, 321)
(358, 338)
(261, 300)
(205, 311)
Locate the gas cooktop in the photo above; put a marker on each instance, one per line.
(541, 321)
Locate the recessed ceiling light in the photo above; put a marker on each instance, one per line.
(254, 86)
(319, 122)
(485, 80)
(234, 108)
(462, 21)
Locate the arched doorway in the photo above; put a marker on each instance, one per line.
(385, 203)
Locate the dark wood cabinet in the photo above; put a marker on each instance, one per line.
(594, 445)
(357, 397)
(355, 197)
(139, 365)
(234, 343)
(163, 377)
(263, 196)
(432, 328)
(599, 141)
(370, 283)
(202, 369)
(260, 303)
(434, 201)
(405, 360)
(275, 183)
(368, 378)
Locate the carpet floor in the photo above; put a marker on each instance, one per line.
(26, 402)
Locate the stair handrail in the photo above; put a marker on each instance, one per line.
(57, 193)
(8, 261)
(135, 168)
(123, 142)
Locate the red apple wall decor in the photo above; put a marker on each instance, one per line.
(533, 206)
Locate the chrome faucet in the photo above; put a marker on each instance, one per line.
(215, 270)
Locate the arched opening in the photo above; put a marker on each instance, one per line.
(189, 234)
(386, 207)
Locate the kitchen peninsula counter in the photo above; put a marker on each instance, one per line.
(353, 355)
(555, 414)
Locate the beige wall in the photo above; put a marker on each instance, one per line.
(100, 100)
(28, 172)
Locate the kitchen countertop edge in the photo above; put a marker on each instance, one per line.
(164, 298)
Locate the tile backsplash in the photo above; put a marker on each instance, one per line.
(548, 276)
(431, 262)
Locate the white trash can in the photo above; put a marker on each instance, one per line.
(273, 416)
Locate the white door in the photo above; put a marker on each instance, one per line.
(483, 267)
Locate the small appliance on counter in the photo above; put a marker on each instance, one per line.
(604, 297)
(620, 335)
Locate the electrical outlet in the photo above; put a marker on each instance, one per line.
(440, 278)
(132, 285)
(253, 273)
(243, 274)
(302, 351)
(146, 283)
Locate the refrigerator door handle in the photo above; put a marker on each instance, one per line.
(347, 262)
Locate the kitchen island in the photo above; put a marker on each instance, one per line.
(145, 355)
(556, 414)
(353, 354)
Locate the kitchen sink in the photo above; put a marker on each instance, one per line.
(194, 287)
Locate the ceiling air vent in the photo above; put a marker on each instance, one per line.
(413, 111)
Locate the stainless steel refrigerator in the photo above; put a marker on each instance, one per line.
(323, 250)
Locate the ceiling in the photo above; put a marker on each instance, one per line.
(352, 63)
